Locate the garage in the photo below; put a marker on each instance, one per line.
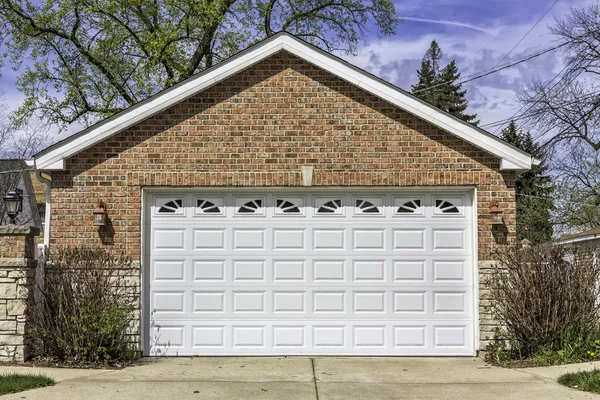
(329, 272)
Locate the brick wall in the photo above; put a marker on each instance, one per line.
(256, 129)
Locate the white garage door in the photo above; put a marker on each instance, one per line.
(319, 273)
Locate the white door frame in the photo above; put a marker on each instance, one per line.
(145, 225)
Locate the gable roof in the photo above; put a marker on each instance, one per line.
(511, 158)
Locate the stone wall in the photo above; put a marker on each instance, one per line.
(17, 283)
(487, 324)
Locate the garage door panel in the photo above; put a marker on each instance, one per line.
(209, 239)
(209, 270)
(213, 337)
(311, 274)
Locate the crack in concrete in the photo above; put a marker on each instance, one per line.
(312, 362)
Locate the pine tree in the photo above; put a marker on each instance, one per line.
(430, 69)
(447, 94)
(452, 97)
(534, 190)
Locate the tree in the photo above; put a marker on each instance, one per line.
(452, 97)
(428, 74)
(439, 87)
(568, 111)
(534, 190)
(94, 58)
(567, 115)
(24, 142)
(578, 190)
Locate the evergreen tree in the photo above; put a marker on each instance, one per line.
(447, 95)
(534, 190)
(452, 97)
(428, 74)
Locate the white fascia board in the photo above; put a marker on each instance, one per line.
(58, 165)
(511, 158)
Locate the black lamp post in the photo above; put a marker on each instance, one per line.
(14, 204)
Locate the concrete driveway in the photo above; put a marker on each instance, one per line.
(301, 378)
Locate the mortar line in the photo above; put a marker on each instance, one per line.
(312, 362)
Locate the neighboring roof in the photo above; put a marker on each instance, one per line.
(53, 157)
(584, 236)
(16, 174)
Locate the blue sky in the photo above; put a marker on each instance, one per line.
(476, 33)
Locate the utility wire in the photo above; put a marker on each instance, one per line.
(529, 106)
(545, 86)
(494, 70)
(534, 113)
(515, 46)
(587, 114)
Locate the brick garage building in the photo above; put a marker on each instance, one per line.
(286, 202)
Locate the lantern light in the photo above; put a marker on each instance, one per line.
(100, 214)
(496, 213)
(14, 204)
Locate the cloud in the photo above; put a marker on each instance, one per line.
(397, 59)
(451, 23)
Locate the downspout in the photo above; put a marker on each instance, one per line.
(48, 183)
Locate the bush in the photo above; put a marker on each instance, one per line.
(546, 298)
(86, 308)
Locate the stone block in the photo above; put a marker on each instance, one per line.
(15, 307)
(8, 326)
(7, 340)
(8, 290)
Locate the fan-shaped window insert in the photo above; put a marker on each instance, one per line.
(446, 207)
(171, 207)
(287, 207)
(330, 206)
(250, 207)
(366, 207)
(410, 207)
(207, 207)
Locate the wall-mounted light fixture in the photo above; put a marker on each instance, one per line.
(496, 213)
(14, 204)
(100, 214)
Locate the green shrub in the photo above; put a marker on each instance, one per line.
(546, 299)
(86, 309)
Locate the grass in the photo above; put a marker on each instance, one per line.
(13, 383)
(588, 381)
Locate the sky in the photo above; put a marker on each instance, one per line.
(475, 33)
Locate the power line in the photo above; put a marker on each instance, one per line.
(546, 85)
(515, 46)
(595, 106)
(494, 70)
(537, 197)
(536, 95)
(534, 113)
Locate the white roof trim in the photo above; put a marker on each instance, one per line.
(586, 238)
(511, 157)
